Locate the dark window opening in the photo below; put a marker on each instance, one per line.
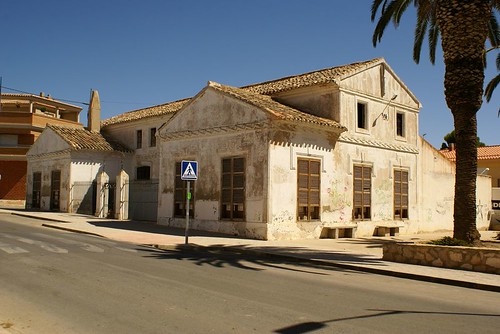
(362, 117)
(144, 173)
(139, 139)
(400, 124)
(152, 137)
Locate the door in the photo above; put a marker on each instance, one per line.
(55, 190)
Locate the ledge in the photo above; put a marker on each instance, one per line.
(485, 260)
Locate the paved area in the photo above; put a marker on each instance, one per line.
(362, 254)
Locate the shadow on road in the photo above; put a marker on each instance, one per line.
(246, 257)
(310, 326)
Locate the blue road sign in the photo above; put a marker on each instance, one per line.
(189, 170)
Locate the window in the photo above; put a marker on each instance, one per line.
(8, 140)
(400, 194)
(139, 139)
(362, 116)
(180, 194)
(308, 192)
(233, 188)
(144, 173)
(37, 188)
(400, 124)
(152, 137)
(362, 192)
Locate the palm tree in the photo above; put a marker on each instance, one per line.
(464, 27)
(488, 91)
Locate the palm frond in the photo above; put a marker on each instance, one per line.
(488, 91)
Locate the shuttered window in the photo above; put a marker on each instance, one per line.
(308, 189)
(362, 192)
(400, 194)
(233, 188)
(180, 194)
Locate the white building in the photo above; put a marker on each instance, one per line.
(329, 153)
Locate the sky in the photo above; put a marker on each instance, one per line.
(140, 53)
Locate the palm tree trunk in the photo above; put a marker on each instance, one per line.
(465, 179)
(464, 28)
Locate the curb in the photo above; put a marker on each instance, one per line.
(379, 271)
(72, 229)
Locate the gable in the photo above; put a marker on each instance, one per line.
(48, 142)
(379, 80)
(210, 109)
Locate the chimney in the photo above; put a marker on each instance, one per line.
(452, 147)
(94, 113)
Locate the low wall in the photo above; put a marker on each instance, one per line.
(467, 258)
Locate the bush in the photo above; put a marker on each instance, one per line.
(449, 241)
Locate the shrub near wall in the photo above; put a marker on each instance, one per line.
(467, 258)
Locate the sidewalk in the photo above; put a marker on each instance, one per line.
(361, 254)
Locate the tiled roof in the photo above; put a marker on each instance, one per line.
(267, 88)
(83, 139)
(162, 109)
(310, 79)
(483, 153)
(277, 110)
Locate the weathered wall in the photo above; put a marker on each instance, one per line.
(286, 146)
(437, 184)
(215, 116)
(126, 134)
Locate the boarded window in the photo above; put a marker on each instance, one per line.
(180, 194)
(400, 194)
(152, 137)
(308, 189)
(139, 139)
(233, 188)
(362, 192)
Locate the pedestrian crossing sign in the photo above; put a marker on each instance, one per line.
(189, 170)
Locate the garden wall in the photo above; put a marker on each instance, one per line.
(467, 258)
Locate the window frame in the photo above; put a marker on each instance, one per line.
(180, 194)
(138, 139)
(364, 116)
(400, 125)
(152, 137)
(236, 187)
(313, 194)
(366, 196)
(401, 196)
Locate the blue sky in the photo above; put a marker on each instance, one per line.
(139, 53)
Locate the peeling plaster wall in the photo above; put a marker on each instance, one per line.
(45, 165)
(212, 110)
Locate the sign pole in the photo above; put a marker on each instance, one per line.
(188, 194)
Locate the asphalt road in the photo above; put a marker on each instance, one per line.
(58, 282)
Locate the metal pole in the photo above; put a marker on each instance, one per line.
(188, 195)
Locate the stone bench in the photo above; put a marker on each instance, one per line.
(338, 231)
(386, 230)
